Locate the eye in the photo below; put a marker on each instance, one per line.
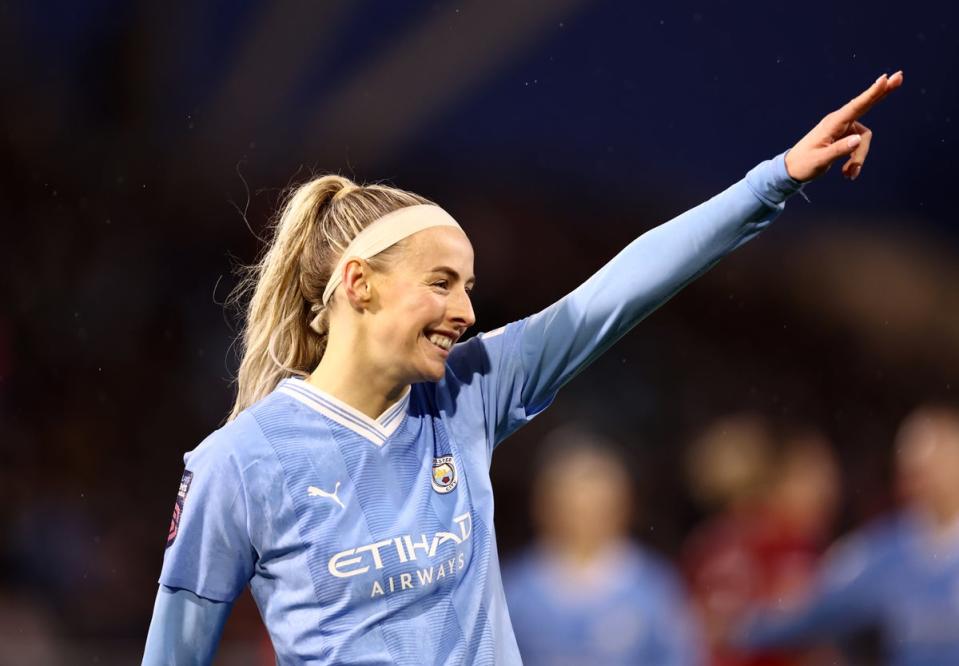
(441, 284)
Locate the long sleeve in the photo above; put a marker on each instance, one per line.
(185, 628)
(565, 337)
(514, 372)
(845, 598)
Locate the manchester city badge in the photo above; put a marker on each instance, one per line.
(444, 474)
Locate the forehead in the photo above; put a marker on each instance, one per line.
(925, 437)
(440, 246)
(585, 466)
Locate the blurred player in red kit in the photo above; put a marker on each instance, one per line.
(774, 507)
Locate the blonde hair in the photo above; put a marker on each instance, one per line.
(286, 324)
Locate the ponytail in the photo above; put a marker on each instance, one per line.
(286, 325)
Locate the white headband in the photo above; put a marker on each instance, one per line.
(385, 232)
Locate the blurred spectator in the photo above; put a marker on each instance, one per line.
(584, 593)
(772, 517)
(900, 575)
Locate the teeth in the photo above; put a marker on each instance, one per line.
(441, 341)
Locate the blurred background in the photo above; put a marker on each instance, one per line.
(145, 146)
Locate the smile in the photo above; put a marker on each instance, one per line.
(442, 341)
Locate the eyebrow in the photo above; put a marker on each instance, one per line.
(452, 273)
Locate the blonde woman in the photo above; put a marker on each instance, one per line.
(350, 488)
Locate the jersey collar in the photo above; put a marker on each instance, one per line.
(375, 430)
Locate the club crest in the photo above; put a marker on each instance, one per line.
(185, 482)
(444, 474)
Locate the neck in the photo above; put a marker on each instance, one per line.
(344, 374)
(578, 553)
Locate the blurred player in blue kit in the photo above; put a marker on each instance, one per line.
(899, 575)
(585, 592)
(350, 488)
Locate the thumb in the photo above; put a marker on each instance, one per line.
(842, 147)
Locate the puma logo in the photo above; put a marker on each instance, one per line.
(317, 492)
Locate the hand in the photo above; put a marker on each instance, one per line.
(838, 134)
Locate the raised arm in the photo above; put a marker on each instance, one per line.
(568, 335)
(185, 628)
(565, 337)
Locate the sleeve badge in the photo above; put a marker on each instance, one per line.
(185, 481)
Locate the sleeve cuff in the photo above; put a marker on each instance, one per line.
(771, 182)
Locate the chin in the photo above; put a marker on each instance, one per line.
(432, 373)
(436, 375)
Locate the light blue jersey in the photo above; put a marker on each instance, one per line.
(371, 540)
(628, 608)
(364, 540)
(895, 576)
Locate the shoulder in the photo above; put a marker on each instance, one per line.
(527, 559)
(483, 352)
(231, 448)
(883, 535)
(522, 573)
(869, 548)
(655, 570)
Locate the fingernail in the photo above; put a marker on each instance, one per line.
(855, 171)
(880, 78)
(853, 141)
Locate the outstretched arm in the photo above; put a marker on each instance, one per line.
(561, 340)
(846, 597)
(185, 628)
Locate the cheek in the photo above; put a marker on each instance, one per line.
(423, 311)
(408, 316)
(946, 473)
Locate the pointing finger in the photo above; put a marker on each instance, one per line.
(857, 106)
(892, 83)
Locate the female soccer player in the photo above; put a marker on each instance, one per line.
(351, 487)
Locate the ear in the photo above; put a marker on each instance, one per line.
(356, 283)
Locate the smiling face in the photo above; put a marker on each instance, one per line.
(422, 305)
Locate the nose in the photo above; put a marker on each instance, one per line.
(461, 309)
